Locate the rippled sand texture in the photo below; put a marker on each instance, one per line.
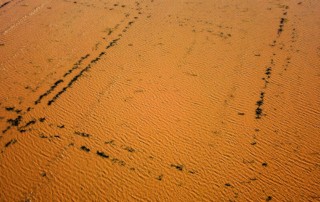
(208, 100)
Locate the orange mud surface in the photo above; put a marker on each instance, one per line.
(159, 100)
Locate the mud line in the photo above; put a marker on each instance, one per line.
(87, 68)
(259, 110)
(48, 91)
(267, 76)
(132, 167)
(16, 122)
(5, 3)
(75, 66)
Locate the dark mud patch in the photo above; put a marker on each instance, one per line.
(160, 177)
(15, 122)
(13, 109)
(102, 154)
(177, 166)
(82, 134)
(269, 198)
(11, 142)
(111, 142)
(227, 184)
(259, 103)
(118, 161)
(129, 149)
(84, 148)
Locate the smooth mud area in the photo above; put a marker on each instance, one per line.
(159, 100)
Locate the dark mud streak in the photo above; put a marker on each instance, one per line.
(5, 130)
(48, 91)
(84, 148)
(82, 134)
(13, 109)
(11, 142)
(23, 129)
(87, 68)
(4, 4)
(118, 161)
(74, 79)
(280, 30)
(129, 149)
(49, 137)
(178, 166)
(76, 65)
(112, 43)
(32, 122)
(9, 109)
(102, 154)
